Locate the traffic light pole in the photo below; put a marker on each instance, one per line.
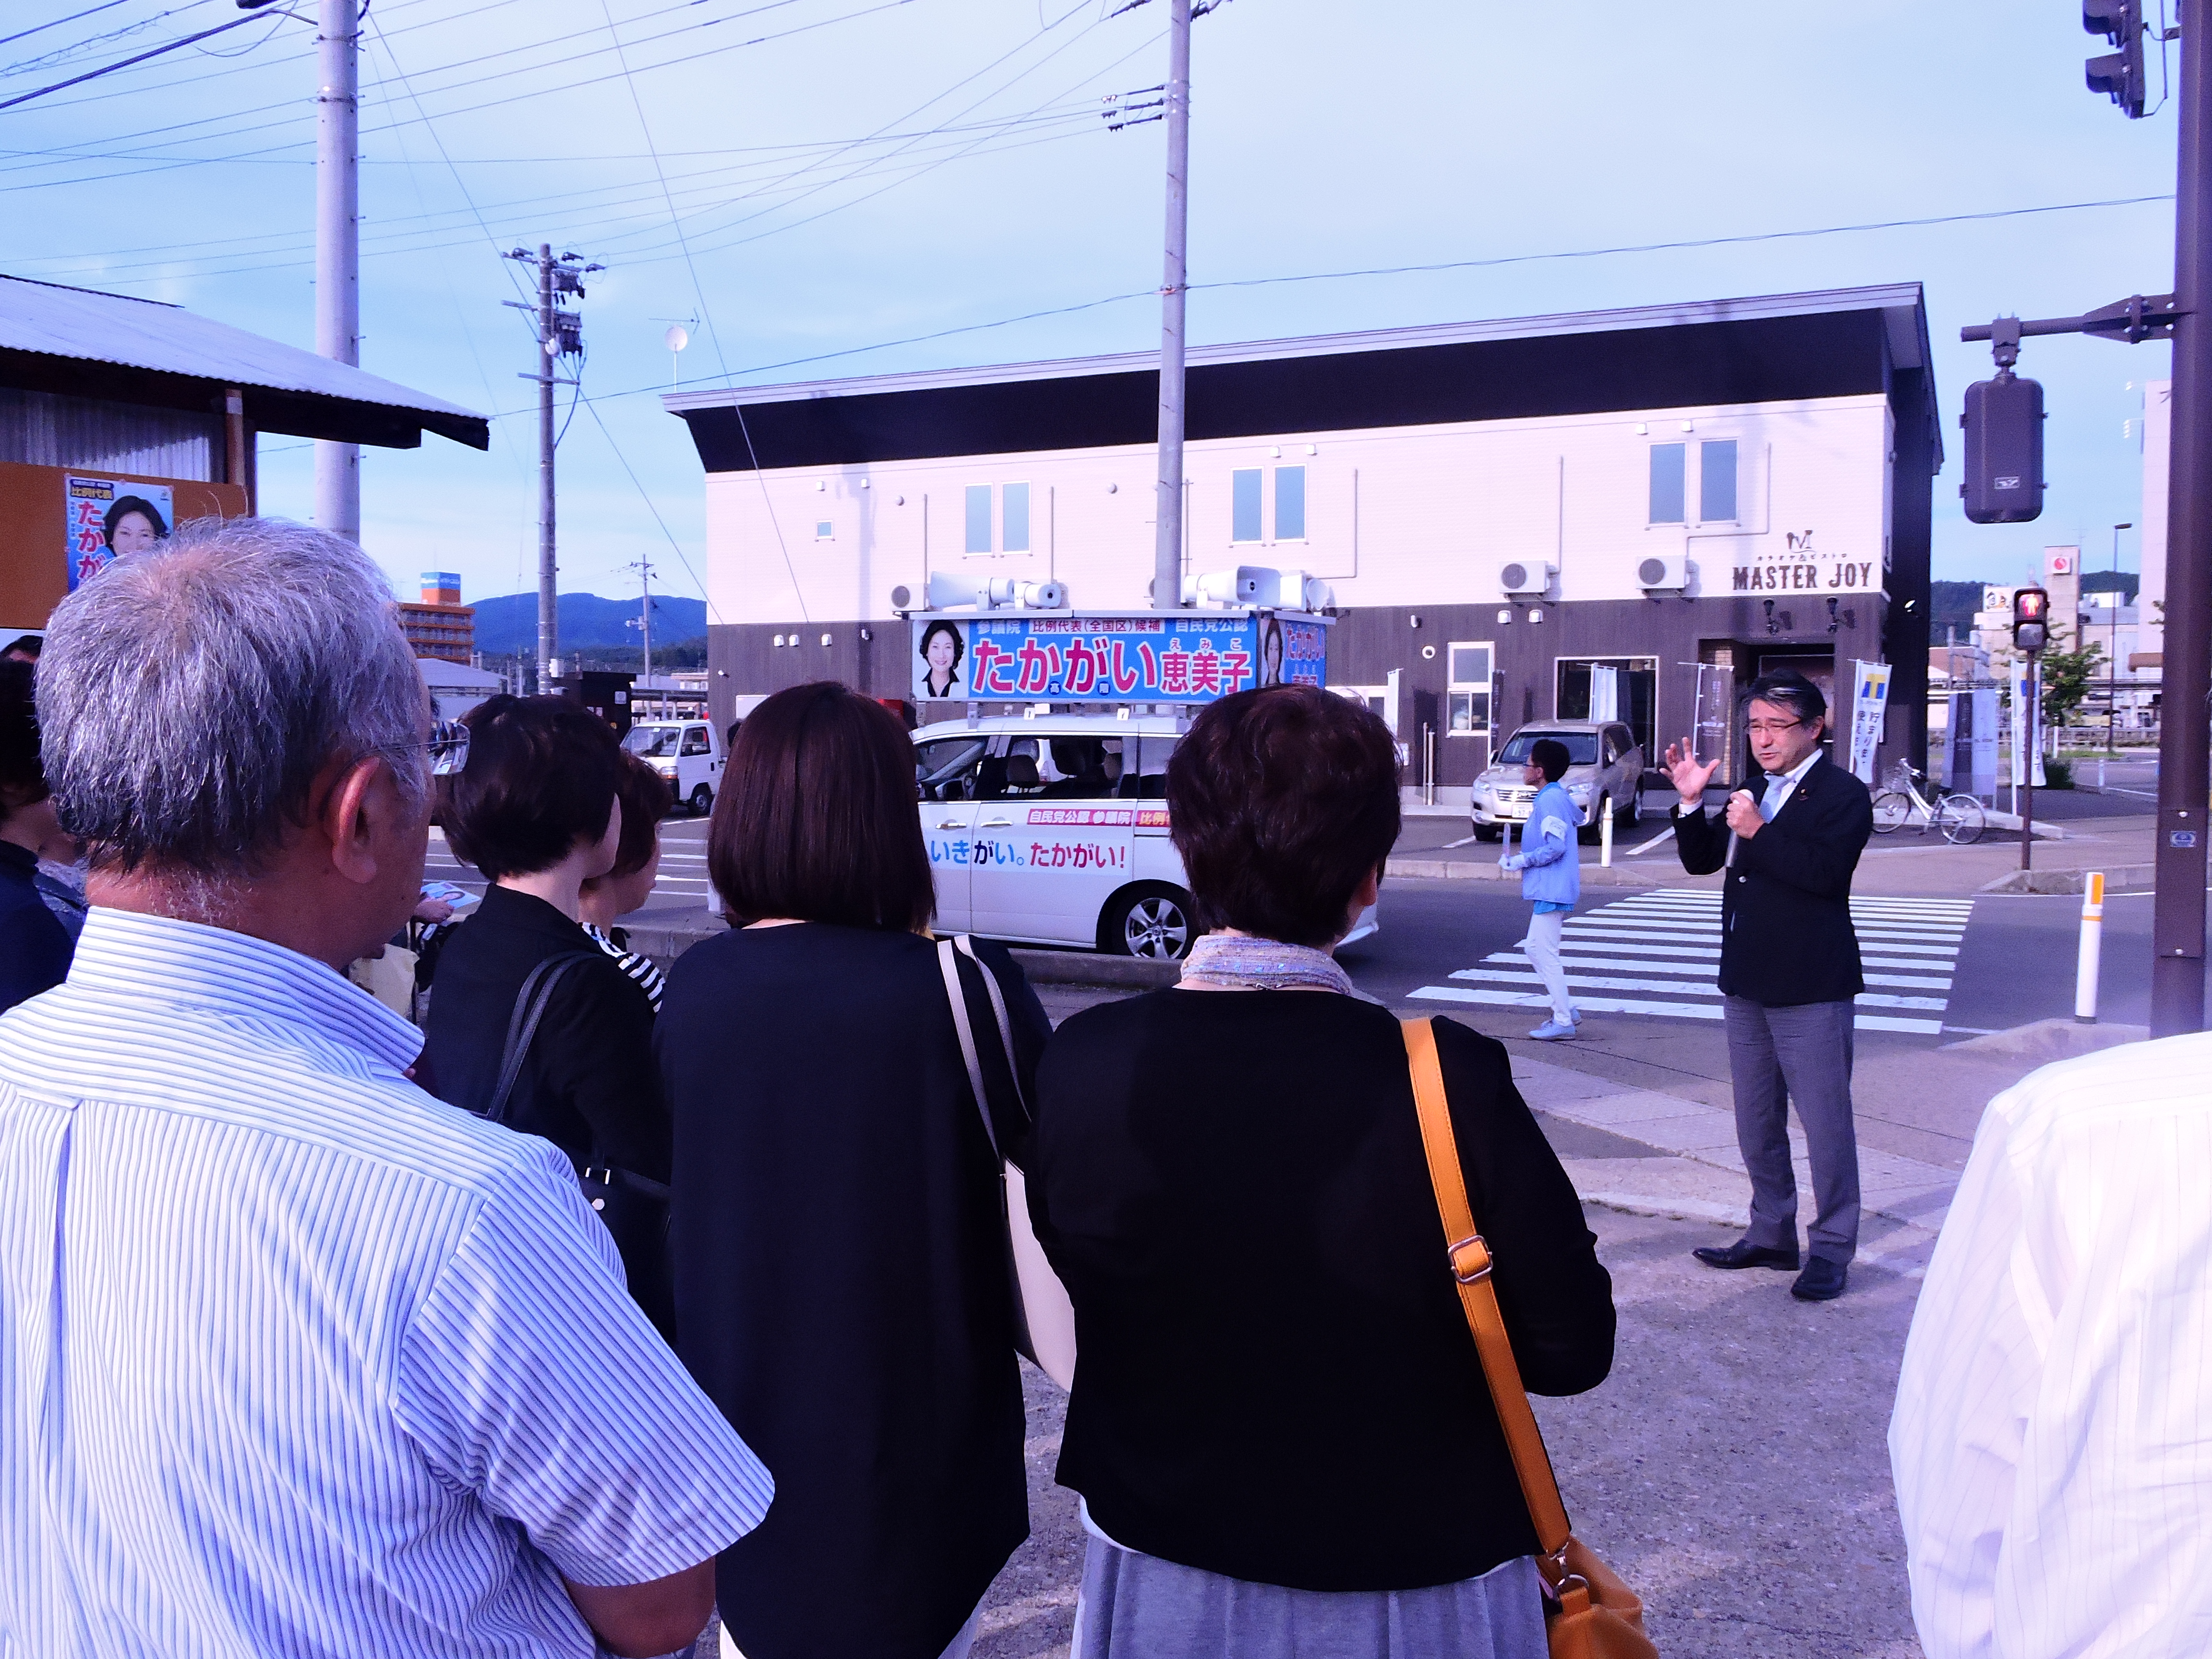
(2032, 723)
(2177, 985)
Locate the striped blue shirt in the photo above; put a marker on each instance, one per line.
(295, 1360)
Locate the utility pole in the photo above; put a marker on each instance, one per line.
(560, 333)
(644, 622)
(548, 639)
(337, 247)
(2112, 656)
(2176, 982)
(1167, 550)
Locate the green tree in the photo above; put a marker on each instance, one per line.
(2067, 677)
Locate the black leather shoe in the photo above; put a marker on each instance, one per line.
(1745, 1254)
(1821, 1281)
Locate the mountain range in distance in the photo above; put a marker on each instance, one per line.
(586, 622)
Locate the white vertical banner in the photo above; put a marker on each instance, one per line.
(1605, 693)
(1985, 745)
(2026, 740)
(1869, 699)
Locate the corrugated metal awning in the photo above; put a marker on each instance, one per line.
(88, 344)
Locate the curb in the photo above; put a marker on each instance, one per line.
(1593, 875)
(2046, 1039)
(2068, 881)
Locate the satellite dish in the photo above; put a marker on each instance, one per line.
(677, 338)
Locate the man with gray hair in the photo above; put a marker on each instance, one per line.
(294, 1358)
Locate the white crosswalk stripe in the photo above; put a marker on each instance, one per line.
(1666, 946)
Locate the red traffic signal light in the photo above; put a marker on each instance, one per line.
(2030, 619)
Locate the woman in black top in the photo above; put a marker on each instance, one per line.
(35, 947)
(1277, 1391)
(841, 1263)
(534, 809)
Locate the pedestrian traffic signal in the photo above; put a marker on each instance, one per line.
(2119, 75)
(2004, 419)
(2030, 619)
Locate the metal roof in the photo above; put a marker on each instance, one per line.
(157, 354)
(1899, 302)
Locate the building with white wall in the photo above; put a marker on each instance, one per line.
(1498, 506)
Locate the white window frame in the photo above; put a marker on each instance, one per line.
(1305, 501)
(826, 530)
(968, 520)
(1738, 491)
(1456, 688)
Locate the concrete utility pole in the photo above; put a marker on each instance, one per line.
(2177, 983)
(337, 247)
(548, 354)
(1167, 551)
(644, 622)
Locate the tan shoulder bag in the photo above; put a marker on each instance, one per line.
(1597, 1616)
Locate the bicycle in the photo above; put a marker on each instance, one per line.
(1961, 817)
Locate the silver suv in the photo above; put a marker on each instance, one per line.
(1605, 774)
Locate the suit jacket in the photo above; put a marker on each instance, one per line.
(1786, 935)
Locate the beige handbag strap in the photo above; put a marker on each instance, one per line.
(1469, 1257)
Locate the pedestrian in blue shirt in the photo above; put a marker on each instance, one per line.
(1551, 878)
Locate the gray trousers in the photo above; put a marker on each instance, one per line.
(1778, 1057)
(1542, 946)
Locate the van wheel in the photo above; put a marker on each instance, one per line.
(702, 801)
(1634, 814)
(1153, 921)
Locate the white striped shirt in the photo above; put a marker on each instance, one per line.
(2052, 1439)
(297, 1360)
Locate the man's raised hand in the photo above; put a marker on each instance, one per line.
(1684, 772)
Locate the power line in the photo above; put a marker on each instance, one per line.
(93, 75)
(25, 35)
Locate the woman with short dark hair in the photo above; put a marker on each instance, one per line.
(1276, 1392)
(534, 809)
(35, 947)
(840, 1238)
(644, 799)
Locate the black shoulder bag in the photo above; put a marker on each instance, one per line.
(634, 1209)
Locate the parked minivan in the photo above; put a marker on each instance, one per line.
(1605, 774)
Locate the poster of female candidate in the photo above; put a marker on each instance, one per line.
(109, 517)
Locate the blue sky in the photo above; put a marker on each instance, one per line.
(846, 174)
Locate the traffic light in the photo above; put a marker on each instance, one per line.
(2119, 75)
(2004, 419)
(2030, 619)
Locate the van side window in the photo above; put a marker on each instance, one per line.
(694, 740)
(1082, 768)
(946, 769)
(1148, 780)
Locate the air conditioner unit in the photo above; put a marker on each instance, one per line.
(1526, 577)
(1663, 573)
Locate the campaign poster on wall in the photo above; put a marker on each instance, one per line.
(109, 517)
(1180, 657)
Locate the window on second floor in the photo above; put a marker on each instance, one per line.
(1290, 504)
(1717, 481)
(1244, 485)
(979, 519)
(1667, 466)
(1014, 518)
(825, 530)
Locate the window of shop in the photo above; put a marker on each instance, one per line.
(979, 519)
(1667, 469)
(1633, 696)
(1717, 482)
(1244, 504)
(1290, 504)
(1467, 700)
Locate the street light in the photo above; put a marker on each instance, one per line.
(2113, 657)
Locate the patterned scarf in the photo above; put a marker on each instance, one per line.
(1263, 965)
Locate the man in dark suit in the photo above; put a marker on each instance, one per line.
(1790, 969)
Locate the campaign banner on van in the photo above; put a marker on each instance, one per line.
(1184, 658)
(108, 517)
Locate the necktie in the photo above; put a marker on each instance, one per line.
(1770, 802)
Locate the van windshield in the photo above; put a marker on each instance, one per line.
(1582, 747)
(653, 742)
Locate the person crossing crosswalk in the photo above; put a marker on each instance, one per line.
(1658, 954)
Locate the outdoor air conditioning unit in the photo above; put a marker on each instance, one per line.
(1526, 579)
(1663, 573)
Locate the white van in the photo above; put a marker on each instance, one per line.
(1052, 829)
(688, 753)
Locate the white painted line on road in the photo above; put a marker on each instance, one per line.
(1614, 983)
(1667, 834)
(1464, 841)
(1974, 1031)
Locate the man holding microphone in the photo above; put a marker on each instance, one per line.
(1790, 970)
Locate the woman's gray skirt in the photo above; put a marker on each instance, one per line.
(1139, 1607)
